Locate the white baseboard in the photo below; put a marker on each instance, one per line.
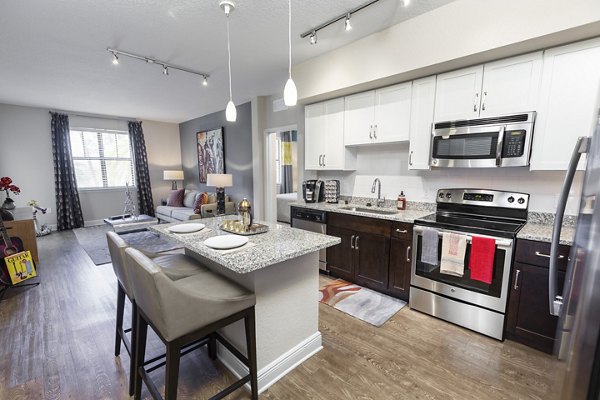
(274, 371)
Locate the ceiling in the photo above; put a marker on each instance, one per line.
(53, 53)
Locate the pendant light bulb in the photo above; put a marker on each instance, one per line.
(347, 24)
(115, 60)
(290, 93)
(230, 112)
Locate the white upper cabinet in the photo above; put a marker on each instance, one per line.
(567, 103)
(324, 137)
(458, 94)
(378, 116)
(421, 121)
(511, 85)
(501, 87)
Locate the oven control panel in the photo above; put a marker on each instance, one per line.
(484, 197)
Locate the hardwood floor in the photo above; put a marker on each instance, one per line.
(56, 342)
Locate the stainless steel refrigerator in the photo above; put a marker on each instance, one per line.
(578, 334)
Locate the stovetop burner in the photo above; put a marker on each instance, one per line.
(485, 212)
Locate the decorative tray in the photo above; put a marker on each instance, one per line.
(237, 228)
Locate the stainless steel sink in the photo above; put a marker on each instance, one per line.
(369, 210)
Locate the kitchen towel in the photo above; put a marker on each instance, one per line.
(429, 250)
(481, 262)
(453, 254)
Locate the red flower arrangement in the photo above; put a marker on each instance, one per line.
(7, 186)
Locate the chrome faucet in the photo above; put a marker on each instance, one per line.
(380, 201)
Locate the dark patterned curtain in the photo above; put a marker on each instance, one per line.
(142, 176)
(287, 185)
(68, 207)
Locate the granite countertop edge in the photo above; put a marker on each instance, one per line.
(408, 215)
(543, 233)
(256, 257)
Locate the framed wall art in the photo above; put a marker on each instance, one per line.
(211, 153)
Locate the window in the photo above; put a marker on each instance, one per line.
(278, 161)
(102, 158)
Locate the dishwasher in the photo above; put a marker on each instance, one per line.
(313, 221)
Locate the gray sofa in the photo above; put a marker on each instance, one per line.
(186, 213)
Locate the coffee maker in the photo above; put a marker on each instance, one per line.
(313, 191)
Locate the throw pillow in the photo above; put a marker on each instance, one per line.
(201, 199)
(176, 198)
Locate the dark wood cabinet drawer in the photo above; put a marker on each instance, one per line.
(359, 224)
(538, 253)
(402, 230)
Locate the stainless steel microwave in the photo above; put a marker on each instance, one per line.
(503, 141)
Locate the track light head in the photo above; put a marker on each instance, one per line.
(165, 70)
(347, 24)
(115, 60)
(405, 3)
(205, 81)
(313, 37)
(228, 6)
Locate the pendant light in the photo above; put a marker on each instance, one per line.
(290, 93)
(230, 111)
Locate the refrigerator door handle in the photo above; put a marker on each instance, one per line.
(555, 301)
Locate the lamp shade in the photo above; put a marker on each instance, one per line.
(219, 180)
(173, 175)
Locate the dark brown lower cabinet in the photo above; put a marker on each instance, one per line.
(340, 258)
(528, 318)
(373, 253)
(399, 275)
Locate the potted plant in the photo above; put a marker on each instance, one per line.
(7, 186)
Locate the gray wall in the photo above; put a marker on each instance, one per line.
(238, 151)
(26, 156)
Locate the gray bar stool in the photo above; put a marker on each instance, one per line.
(184, 311)
(175, 266)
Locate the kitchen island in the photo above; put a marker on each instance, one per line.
(281, 268)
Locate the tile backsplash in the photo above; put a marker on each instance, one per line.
(390, 164)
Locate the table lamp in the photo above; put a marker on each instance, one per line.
(220, 182)
(173, 176)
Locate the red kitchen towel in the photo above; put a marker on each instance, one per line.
(481, 262)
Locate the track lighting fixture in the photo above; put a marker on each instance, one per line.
(149, 60)
(230, 111)
(290, 93)
(312, 33)
(347, 25)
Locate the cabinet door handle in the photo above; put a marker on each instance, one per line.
(352, 242)
(483, 101)
(375, 132)
(537, 253)
(475, 103)
(323, 159)
(516, 287)
(408, 254)
(410, 158)
(356, 242)
(401, 231)
(371, 132)
(320, 165)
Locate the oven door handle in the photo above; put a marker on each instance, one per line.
(502, 243)
(499, 146)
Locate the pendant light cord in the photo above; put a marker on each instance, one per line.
(290, 37)
(229, 59)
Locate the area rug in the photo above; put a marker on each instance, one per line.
(93, 241)
(359, 302)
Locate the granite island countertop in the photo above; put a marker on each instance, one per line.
(408, 216)
(280, 243)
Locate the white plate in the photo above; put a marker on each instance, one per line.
(224, 242)
(186, 228)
